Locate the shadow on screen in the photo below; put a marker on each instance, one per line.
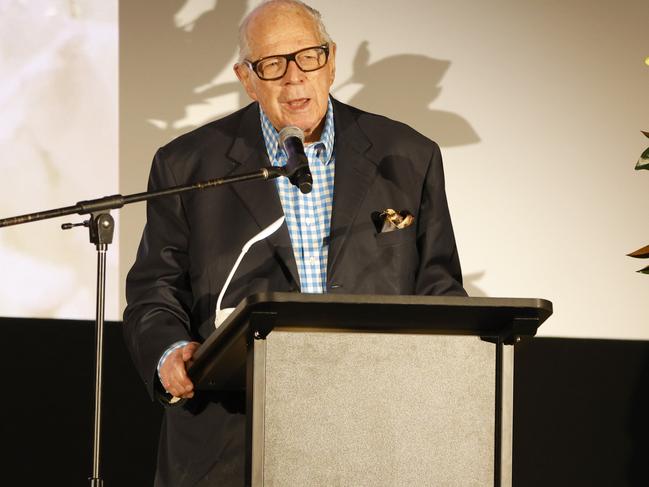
(404, 87)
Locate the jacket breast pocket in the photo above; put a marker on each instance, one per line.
(396, 261)
(396, 237)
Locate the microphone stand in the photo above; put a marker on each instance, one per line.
(101, 226)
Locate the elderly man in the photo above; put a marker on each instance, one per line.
(362, 165)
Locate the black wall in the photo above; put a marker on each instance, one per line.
(47, 413)
(581, 412)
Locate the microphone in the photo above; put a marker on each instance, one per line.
(297, 167)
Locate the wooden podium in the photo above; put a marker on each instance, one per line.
(355, 390)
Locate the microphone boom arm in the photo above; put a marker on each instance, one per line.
(118, 201)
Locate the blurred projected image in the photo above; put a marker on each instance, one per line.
(58, 140)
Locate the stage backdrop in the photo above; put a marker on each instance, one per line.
(537, 106)
(58, 145)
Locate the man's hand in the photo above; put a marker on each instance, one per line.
(173, 372)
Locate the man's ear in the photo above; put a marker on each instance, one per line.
(243, 73)
(332, 60)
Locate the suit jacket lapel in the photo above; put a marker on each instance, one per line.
(262, 200)
(355, 171)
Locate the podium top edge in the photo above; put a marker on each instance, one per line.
(538, 307)
(257, 315)
(368, 299)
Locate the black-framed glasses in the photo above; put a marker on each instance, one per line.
(274, 67)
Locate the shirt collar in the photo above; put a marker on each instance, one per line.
(326, 142)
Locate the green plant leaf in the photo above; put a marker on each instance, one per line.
(644, 270)
(643, 162)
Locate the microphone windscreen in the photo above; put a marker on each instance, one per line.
(290, 131)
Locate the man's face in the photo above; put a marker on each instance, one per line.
(298, 98)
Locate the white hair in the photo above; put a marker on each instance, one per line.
(244, 48)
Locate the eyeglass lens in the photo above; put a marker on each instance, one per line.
(307, 60)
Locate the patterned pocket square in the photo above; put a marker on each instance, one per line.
(389, 220)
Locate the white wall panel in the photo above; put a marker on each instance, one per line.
(537, 105)
(58, 145)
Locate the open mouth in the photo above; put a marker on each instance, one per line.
(297, 104)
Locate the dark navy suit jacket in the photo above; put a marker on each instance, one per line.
(190, 243)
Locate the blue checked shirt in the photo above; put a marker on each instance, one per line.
(308, 216)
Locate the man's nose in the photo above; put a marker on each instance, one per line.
(293, 72)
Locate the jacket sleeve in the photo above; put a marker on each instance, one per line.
(439, 270)
(158, 289)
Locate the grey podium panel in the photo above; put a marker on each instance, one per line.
(371, 409)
